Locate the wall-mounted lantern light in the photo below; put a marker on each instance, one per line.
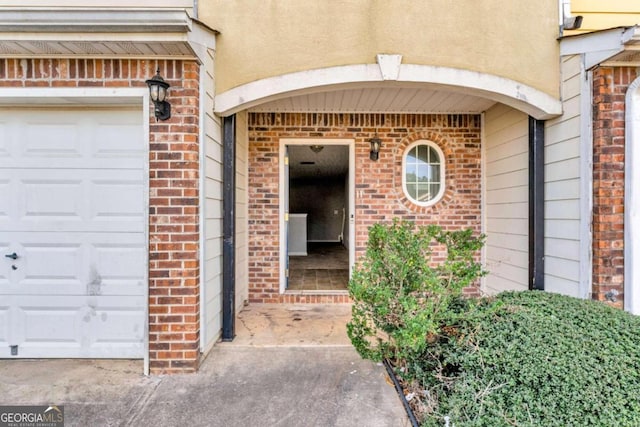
(376, 143)
(158, 91)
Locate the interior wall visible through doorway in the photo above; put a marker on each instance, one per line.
(317, 185)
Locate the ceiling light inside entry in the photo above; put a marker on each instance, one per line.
(316, 148)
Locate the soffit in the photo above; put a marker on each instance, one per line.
(418, 100)
(95, 33)
(93, 49)
(630, 55)
(627, 58)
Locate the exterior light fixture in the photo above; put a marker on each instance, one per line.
(376, 143)
(158, 91)
(316, 148)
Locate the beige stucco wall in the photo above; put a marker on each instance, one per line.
(515, 39)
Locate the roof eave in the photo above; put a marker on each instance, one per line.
(604, 47)
(102, 33)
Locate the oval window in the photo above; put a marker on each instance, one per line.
(423, 177)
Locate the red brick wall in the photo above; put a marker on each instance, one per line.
(379, 194)
(173, 178)
(609, 89)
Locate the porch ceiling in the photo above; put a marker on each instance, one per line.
(379, 100)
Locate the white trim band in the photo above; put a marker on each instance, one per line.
(632, 200)
(510, 92)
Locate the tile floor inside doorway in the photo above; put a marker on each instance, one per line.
(325, 267)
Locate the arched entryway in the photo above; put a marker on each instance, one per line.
(402, 104)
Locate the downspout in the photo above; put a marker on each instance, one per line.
(204, 338)
(228, 227)
(564, 6)
(483, 195)
(586, 181)
(195, 9)
(536, 204)
(567, 20)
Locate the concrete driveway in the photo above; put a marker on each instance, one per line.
(288, 366)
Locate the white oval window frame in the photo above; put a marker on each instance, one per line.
(438, 150)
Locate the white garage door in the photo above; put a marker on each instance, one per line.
(72, 214)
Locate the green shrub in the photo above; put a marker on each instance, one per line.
(402, 299)
(518, 359)
(535, 359)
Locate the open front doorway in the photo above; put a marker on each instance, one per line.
(317, 221)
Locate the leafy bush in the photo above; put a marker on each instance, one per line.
(536, 359)
(518, 359)
(401, 297)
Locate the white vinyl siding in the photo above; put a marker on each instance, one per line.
(242, 210)
(212, 271)
(562, 187)
(506, 199)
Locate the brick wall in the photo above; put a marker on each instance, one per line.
(379, 194)
(173, 178)
(609, 89)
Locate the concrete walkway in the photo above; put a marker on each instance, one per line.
(288, 366)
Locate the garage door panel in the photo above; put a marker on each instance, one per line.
(45, 324)
(77, 264)
(118, 269)
(45, 268)
(114, 324)
(49, 198)
(128, 191)
(79, 200)
(5, 283)
(130, 141)
(74, 163)
(51, 140)
(5, 308)
(5, 264)
(72, 138)
(5, 199)
(4, 138)
(96, 326)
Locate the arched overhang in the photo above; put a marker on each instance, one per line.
(387, 74)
